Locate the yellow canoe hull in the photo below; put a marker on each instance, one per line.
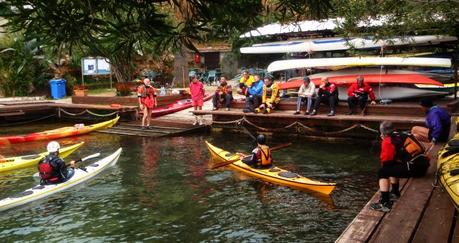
(446, 163)
(14, 163)
(272, 175)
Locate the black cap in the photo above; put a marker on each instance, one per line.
(426, 102)
(306, 79)
(261, 139)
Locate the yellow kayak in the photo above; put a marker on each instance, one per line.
(14, 163)
(448, 169)
(274, 175)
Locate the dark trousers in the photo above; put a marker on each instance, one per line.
(362, 100)
(394, 169)
(331, 100)
(222, 99)
(252, 102)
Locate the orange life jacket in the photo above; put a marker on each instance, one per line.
(265, 158)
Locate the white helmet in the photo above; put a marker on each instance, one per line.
(53, 147)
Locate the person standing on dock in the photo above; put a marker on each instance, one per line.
(358, 95)
(270, 96)
(306, 94)
(197, 97)
(254, 94)
(223, 95)
(245, 82)
(147, 101)
(438, 122)
(327, 94)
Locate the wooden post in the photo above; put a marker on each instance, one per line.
(455, 64)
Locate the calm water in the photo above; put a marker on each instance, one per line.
(161, 190)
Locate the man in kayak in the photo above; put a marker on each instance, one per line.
(261, 155)
(223, 95)
(270, 96)
(254, 94)
(358, 95)
(327, 94)
(52, 168)
(438, 122)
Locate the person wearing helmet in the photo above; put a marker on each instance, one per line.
(147, 101)
(52, 168)
(261, 155)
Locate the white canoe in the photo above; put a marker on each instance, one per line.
(358, 61)
(41, 191)
(339, 44)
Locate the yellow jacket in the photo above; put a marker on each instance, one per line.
(250, 80)
(274, 97)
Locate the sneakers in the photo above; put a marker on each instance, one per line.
(246, 111)
(382, 207)
(394, 197)
(267, 110)
(296, 113)
(215, 108)
(314, 112)
(227, 109)
(332, 113)
(257, 110)
(350, 113)
(307, 113)
(195, 123)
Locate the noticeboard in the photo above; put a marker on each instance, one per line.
(95, 66)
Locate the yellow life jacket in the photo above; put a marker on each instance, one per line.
(265, 156)
(248, 82)
(271, 94)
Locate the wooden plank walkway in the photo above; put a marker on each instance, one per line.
(423, 213)
(153, 131)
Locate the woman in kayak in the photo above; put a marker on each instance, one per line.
(147, 101)
(52, 168)
(261, 155)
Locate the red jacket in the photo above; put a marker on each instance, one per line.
(327, 90)
(387, 151)
(355, 90)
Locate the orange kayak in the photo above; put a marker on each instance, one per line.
(57, 133)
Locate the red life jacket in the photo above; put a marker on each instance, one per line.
(47, 171)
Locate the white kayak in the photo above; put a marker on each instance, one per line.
(41, 191)
(358, 61)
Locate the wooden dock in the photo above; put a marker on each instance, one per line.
(424, 213)
(404, 115)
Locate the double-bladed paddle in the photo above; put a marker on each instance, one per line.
(280, 146)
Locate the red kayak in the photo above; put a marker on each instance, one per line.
(176, 106)
(372, 79)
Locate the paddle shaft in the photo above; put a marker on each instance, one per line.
(76, 161)
(280, 146)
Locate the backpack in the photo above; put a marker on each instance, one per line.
(410, 151)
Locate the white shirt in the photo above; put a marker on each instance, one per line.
(308, 91)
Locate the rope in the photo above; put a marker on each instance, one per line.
(369, 129)
(25, 122)
(238, 121)
(87, 111)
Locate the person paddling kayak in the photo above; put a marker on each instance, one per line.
(52, 168)
(261, 155)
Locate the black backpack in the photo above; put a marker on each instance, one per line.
(410, 151)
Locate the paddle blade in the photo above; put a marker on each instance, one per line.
(90, 157)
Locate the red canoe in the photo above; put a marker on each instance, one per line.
(295, 83)
(176, 106)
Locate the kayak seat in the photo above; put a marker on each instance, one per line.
(451, 151)
(22, 194)
(93, 165)
(454, 172)
(38, 187)
(34, 156)
(454, 142)
(274, 169)
(229, 155)
(288, 174)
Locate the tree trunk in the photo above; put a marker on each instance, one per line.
(181, 68)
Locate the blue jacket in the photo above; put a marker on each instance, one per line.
(438, 121)
(256, 88)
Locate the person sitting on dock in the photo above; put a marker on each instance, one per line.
(358, 94)
(327, 94)
(270, 97)
(254, 94)
(52, 168)
(261, 155)
(245, 82)
(223, 95)
(438, 122)
(306, 94)
(147, 101)
(402, 156)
